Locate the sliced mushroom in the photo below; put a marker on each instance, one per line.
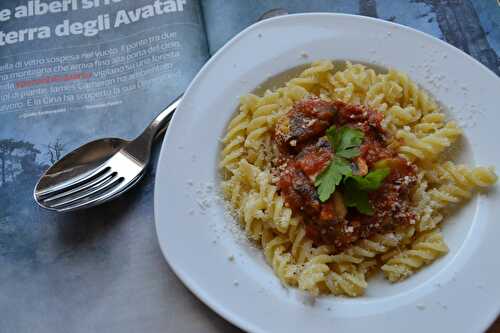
(361, 166)
(339, 206)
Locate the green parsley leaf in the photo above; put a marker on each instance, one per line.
(355, 197)
(333, 136)
(348, 153)
(356, 189)
(372, 181)
(350, 137)
(345, 140)
(329, 179)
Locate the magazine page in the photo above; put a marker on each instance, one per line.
(72, 71)
(468, 25)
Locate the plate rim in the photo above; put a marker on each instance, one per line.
(232, 316)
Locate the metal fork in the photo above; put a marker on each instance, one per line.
(103, 169)
(99, 170)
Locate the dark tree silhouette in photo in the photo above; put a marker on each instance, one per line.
(55, 150)
(16, 157)
(459, 24)
(368, 8)
(462, 28)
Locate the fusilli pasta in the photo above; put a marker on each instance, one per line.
(426, 248)
(419, 132)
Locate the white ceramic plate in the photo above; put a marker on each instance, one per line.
(459, 293)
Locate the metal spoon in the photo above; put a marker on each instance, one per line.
(103, 169)
(99, 170)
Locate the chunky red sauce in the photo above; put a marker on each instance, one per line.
(305, 153)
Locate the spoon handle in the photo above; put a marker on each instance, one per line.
(159, 124)
(141, 146)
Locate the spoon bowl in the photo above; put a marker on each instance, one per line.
(103, 169)
(99, 170)
(79, 162)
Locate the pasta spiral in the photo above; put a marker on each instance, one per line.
(456, 183)
(383, 94)
(397, 117)
(465, 177)
(460, 182)
(349, 281)
(430, 146)
(261, 120)
(310, 80)
(426, 248)
(367, 249)
(280, 260)
(301, 245)
(234, 139)
(351, 84)
(426, 213)
(429, 124)
(240, 191)
(275, 211)
(313, 273)
(411, 93)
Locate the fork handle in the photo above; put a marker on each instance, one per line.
(159, 124)
(140, 147)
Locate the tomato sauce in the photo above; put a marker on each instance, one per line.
(305, 153)
(307, 121)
